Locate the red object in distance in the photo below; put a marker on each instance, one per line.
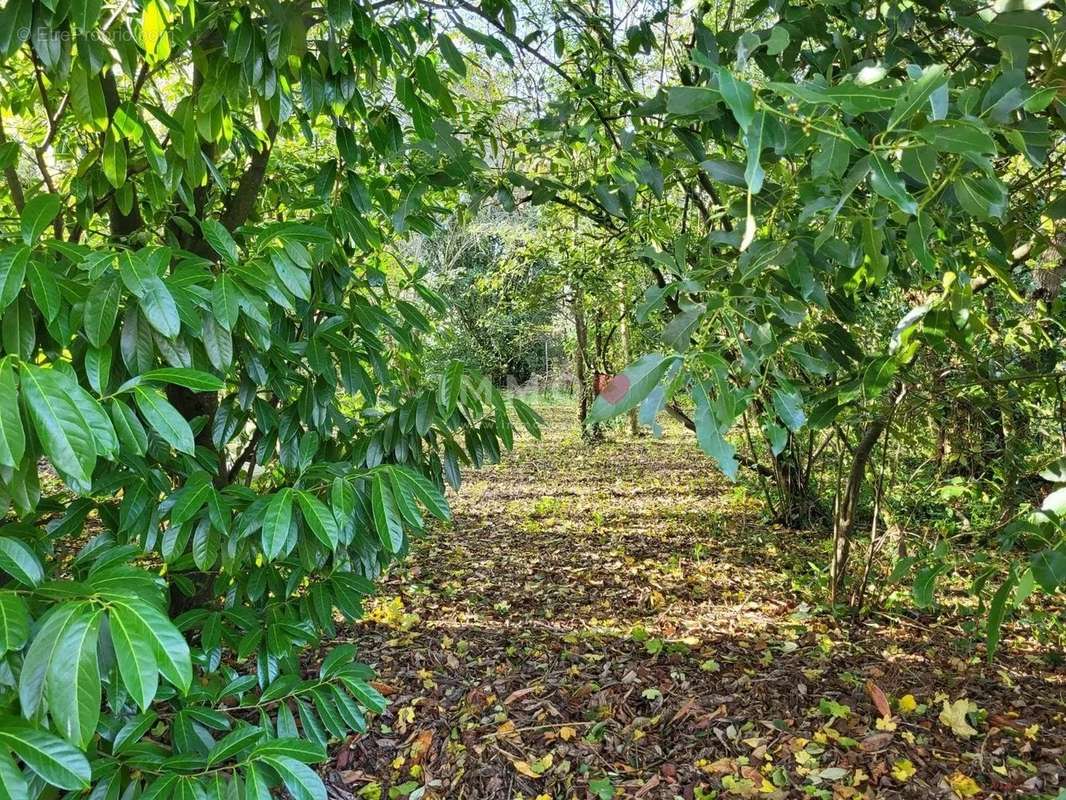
(616, 389)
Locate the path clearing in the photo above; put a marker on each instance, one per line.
(618, 619)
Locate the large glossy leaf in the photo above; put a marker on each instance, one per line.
(319, 518)
(301, 781)
(14, 622)
(13, 784)
(72, 685)
(37, 215)
(164, 419)
(19, 561)
(12, 435)
(55, 761)
(168, 645)
(13, 262)
(709, 435)
(386, 517)
(101, 309)
(136, 660)
(45, 644)
(277, 519)
(62, 430)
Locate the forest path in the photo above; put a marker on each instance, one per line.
(618, 621)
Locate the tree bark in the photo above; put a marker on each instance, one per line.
(584, 393)
(847, 503)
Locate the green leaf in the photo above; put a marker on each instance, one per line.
(46, 639)
(691, 100)
(165, 419)
(958, 136)
(12, 435)
(301, 781)
(426, 492)
(451, 54)
(193, 379)
(137, 664)
(135, 728)
(981, 196)
(236, 741)
(225, 301)
(886, 182)
(168, 645)
(296, 749)
(788, 403)
(629, 388)
(55, 761)
(386, 518)
(319, 518)
(917, 93)
(19, 561)
(63, 432)
(710, 437)
(753, 141)
(13, 263)
(276, 522)
(1049, 569)
(72, 685)
(832, 156)
(996, 613)
(44, 288)
(101, 310)
(128, 428)
(14, 622)
(159, 308)
(37, 215)
(366, 694)
(740, 98)
(12, 782)
(450, 384)
(220, 240)
(191, 497)
(530, 419)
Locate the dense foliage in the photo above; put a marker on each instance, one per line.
(825, 236)
(207, 341)
(849, 217)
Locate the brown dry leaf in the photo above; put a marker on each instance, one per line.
(518, 694)
(421, 746)
(876, 741)
(879, 698)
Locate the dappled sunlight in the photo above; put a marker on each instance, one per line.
(622, 612)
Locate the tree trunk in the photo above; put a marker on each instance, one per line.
(846, 505)
(584, 386)
(627, 357)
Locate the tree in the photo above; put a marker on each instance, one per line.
(836, 203)
(206, 337)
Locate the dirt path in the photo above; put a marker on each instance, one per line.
(617, 621)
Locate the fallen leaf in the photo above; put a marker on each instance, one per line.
(963, 786)
(953, 715)
(566, 733)
(903, 770)
(879, 699)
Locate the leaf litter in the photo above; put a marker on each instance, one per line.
(618, 621)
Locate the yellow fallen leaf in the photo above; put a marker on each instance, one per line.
(525, 769)
(963, 785)
(885, 724)
(953, 715)
(566, 733)
(903, 770)
(907, 704)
